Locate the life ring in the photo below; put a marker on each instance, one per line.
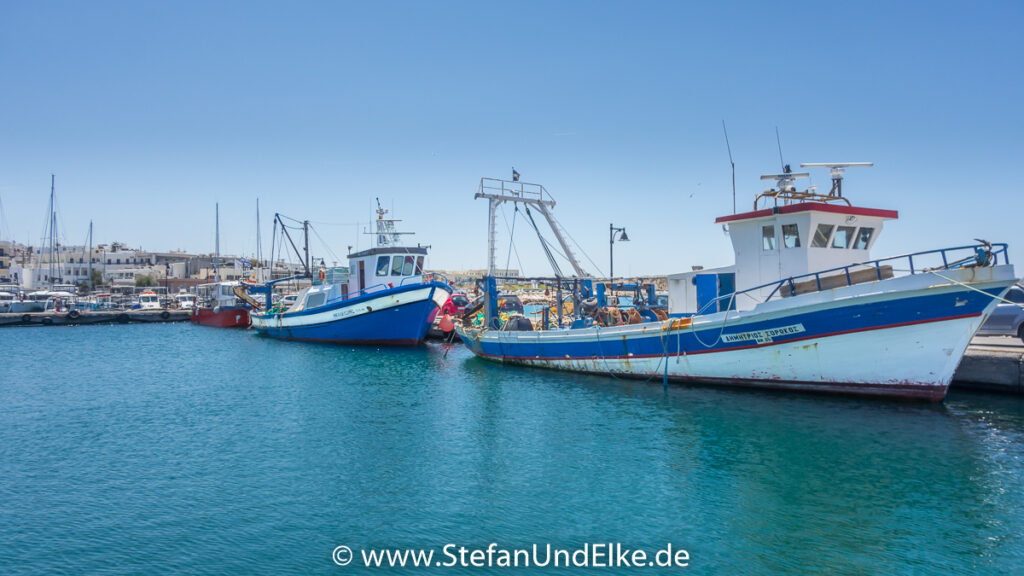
(322, 275)
(74, 314)
(165, 314)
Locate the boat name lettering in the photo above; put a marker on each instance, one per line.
(764, 336)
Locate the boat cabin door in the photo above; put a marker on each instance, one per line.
(362, 275)
(711, 286)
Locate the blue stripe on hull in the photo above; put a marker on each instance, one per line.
(820, 323)
(404, 325)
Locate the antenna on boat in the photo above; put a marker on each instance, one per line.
(778, 141)
(785, 182)
(387, 233)
(733, 164)
(836, 171)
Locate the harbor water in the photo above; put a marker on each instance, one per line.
(188, 450)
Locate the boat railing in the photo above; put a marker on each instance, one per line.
(873, 270)
(424, 278)
(512, 190)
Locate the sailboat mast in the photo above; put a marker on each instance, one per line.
(91, 286)
(259, 242)
(50, 234)
(216, 256)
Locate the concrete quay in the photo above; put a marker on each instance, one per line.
(992, 364)
(93, 317)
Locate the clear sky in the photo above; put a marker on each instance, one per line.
(150, 112)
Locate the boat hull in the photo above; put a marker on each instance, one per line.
(221, 317)
(902, 337)
(25, 306)
(394, 317)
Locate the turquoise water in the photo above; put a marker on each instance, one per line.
(188, 450)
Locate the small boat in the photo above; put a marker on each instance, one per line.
(803, 308)
(184, 301)
(148, 300)
(32, 302)
(219, 306)
(387, 298)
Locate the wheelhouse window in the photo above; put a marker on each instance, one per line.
(314, 300)
(382, 265)
(863, 238)
(843, 237)
(822, 235)
(407, 266)
(768, 237)
(790, 236)
(396, 266)
(419, 265)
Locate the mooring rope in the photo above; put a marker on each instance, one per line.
(954, 281)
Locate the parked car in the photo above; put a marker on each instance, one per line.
(509, 304)
(1007, 319)
(456, 304)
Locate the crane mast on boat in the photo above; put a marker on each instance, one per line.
(498, 191)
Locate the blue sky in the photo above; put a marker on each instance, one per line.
(149, 113)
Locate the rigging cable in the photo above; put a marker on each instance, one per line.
(580, 248)
(512, 246)
(544, 244)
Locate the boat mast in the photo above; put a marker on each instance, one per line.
(91, 286)
(387, 233)
(49, 230)
(259, 242)
(499, 191)
(216, 257)
(305, 233)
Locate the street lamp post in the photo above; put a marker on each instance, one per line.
(611, 246)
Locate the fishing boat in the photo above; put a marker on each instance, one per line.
(804, 307)
(148, 300)
(184, 301)
(387, 299)
(219, 306)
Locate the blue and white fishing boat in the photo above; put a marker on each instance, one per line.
(385, 300)
(804, 307)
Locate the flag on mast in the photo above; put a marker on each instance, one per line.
(515, 175)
